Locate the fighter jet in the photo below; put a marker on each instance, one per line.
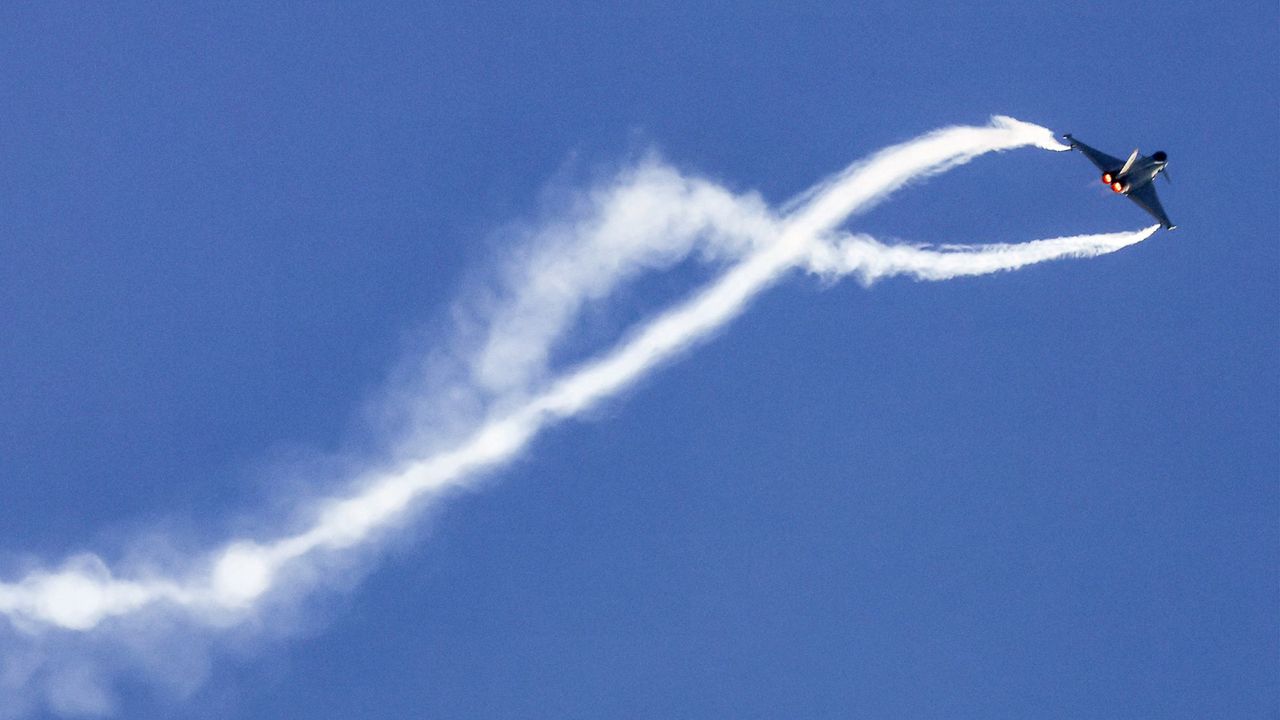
(1133, 178)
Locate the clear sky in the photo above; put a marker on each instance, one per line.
(226, 232)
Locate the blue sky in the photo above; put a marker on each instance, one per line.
(1047, 493)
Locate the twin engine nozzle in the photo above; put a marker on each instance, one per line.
(1114, 178)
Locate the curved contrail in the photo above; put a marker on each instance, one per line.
(232, 580)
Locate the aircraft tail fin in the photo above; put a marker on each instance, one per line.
(1128, 163)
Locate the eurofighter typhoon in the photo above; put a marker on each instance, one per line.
(1134, 178)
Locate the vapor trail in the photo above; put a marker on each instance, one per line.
(233, 579)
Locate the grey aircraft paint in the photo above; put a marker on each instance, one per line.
(1133, 178)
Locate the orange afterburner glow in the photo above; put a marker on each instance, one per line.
(1117, 186)
(1106, 178)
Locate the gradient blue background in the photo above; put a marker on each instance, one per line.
(1052, 493)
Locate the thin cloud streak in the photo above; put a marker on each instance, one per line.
(662, 217)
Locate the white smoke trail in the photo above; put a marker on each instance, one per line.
(870, 260)
(651, 219)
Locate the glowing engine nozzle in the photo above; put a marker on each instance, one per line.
(1106, 178)
(1117, 186)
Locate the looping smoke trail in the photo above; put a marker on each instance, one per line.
(650, 220)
